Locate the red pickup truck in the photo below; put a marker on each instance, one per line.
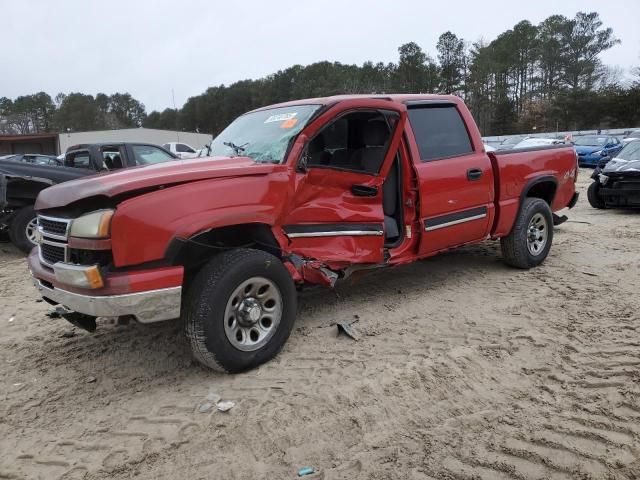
(304, 192)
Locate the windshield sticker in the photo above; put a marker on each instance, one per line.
(289, 123)
(281, 117)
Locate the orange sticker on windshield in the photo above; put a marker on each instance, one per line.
(289, 123)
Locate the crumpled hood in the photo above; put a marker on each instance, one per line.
(621, 165)
(111, 184)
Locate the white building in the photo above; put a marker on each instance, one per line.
(137, 135)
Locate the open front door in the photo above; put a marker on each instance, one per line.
(337, 210)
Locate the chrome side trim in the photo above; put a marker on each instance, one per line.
(147, 307)
(454, 222)
(351, 233)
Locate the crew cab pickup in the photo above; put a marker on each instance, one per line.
(20, 183)
(305, 192)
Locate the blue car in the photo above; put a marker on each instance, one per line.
(593, 148)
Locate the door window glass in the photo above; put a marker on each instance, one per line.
(148, 154)
(440, 132)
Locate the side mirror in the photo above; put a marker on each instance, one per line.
(303, 163)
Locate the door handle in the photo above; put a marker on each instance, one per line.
(474, 174)
(364, 190)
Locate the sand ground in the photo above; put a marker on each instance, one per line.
(466, 369)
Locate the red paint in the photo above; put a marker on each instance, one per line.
(181, 199)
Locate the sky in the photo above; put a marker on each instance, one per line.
(151, 48)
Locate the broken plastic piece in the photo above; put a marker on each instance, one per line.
(226, 406)
(349, 330)
(305, 471)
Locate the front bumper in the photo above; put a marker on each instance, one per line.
(146, 307)
(150, 295)
(589, 160)
(621, 197)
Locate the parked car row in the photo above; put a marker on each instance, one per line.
(36, 159)
(616, 182)
(22, 180)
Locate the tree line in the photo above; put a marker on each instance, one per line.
(543, 77)
(39, 113)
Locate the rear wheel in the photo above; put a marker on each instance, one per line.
(240, 310)
(22, 230)
(529, 242)
(593, 195)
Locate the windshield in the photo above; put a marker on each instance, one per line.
(263, 136)
(631, 152)
(590, 140)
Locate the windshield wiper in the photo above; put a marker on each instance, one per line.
(237, 149)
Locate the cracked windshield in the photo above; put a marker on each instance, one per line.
(263, 136)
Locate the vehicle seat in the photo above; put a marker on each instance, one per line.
(374, 138)
(317, 153)
(108, 163)
(116, 161)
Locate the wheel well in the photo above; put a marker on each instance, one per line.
(193, 252)
(546, 190)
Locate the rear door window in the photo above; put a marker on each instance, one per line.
(148, 154)
(78, 159)
(440, 132)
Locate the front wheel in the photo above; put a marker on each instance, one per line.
(594, 197)
(23, 227)
(530, 240)
(239, 310)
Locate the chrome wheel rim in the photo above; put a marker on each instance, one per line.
(252, 314)
(537, 234)
(30, 230)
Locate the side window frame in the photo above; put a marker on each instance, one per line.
(71, 162)
(384, 113)
(434, 105)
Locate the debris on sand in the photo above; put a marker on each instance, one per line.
(305, 471)
(92, 379)
(225, 406)
(349, 330)
(213, 397)
(205, 407)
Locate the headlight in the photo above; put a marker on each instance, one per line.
(603, 179)
(599, 152)
(92, 225)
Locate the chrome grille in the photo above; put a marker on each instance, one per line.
(54, 233)
(54, 227)
(51, 252)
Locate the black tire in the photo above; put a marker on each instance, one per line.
(593, 195)
(515, 249)
(18, 228)
(207, 298)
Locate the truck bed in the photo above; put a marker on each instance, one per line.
(518, 171)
